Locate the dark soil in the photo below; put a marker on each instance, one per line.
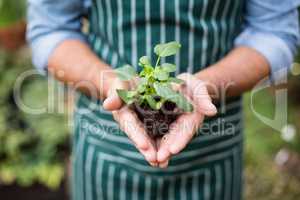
(157, 122)
(34, 192)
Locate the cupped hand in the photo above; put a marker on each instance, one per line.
(184, 128)
(129, 122)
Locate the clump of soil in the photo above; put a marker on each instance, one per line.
(157, 122)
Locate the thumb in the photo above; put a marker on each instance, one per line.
(206, 107)
(113, 101)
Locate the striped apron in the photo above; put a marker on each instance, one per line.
(106, 165)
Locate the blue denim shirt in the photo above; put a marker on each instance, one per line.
(270, 26)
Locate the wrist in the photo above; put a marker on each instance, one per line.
(211, 81)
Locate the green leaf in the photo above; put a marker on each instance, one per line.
(182, 103)
(159, 104)
(164, 91)
(160, 74)
(151, 101)
(145, 61)
(169, 94)
(141, 88)
(126, 72)
(127, 96)
(142, 85)
(168, 67)
(142, 81)
(175, 80)
(147, 71)
(167, 49)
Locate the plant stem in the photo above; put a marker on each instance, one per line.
(157, 62)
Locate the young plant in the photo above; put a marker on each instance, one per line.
(154, 89)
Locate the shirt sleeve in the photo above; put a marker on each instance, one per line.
(272, 28)
(49, 23)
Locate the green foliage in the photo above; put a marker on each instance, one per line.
(126, 96)
(154, 81)
(33, 148)
(168, 49)
(167, 93)
(11, 11)
(264, 179)
(126, 72)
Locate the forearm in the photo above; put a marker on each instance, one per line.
(73, 63)
(236, 73)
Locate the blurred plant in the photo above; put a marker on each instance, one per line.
(33, 149)
(264, 179)
(12, 24)
(11, 11)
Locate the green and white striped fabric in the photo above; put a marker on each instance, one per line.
(106, 164)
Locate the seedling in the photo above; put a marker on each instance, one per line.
(155, 102)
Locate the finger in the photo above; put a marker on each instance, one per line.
(150, 156)
(184, 131)
(163, 153)
(153, 164)
(131, 126)
(164, 164)
(134, 130)
(180, 133)
(197, 89)
(202, 99)
(157, 142)
(113, 102)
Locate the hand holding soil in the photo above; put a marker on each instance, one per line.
(162, 112)
(184, 128)
(128, 121)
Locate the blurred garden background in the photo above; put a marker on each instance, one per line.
(35, 149)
